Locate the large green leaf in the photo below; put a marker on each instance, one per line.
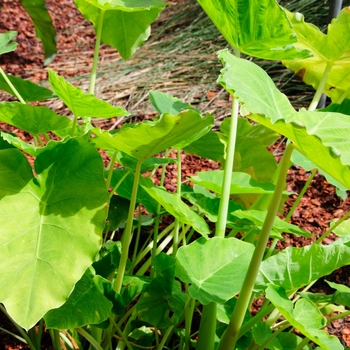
(215, 268)
(29, 91)
(305, 316)
(80, 103)
(126, 24)
(33, 119)
(5, 45)
(326, 132)
(257, 28)
(294, 268)
(333, 48)
(44, 28)
(50, 226)
(146, 139)
(240, 182)
(173, 204)
(86, 305)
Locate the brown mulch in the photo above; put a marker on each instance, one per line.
(75, 38)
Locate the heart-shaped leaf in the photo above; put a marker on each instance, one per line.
(207, 263)
(50, 226)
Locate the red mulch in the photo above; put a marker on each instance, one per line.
(76, 36)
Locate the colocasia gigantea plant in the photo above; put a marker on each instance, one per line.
(63, 270)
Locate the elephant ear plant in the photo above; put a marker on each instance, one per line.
(85, 249)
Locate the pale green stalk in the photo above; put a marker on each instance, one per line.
(14, 90)
(96, 333)
(220, 227)
(230, 336)
(344, 96)
(89, 338)
(304, 342)
(151, 245)
(160, 248)
(165, 338)
(121, 334)
(178, 192)
(55, 336)
(138, 233)
(128, 231)
(96, 53)
(189, 309)
(330, 230)
(338, 316)
(207, 329)
(321, 86)
(75, 122)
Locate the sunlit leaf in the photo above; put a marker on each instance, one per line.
(256, 28)
(294, 268)
(146, 139)
(305, 317)
(333, 48)
(45, 222)
(321, 137)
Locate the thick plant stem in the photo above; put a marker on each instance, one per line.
(178, 192)
(89, 338)
(208, 323)
(128, 231)
(229, 338)
(14, 90)
(330, 230)
(225, 194)
(96, 53)
(321, 86)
